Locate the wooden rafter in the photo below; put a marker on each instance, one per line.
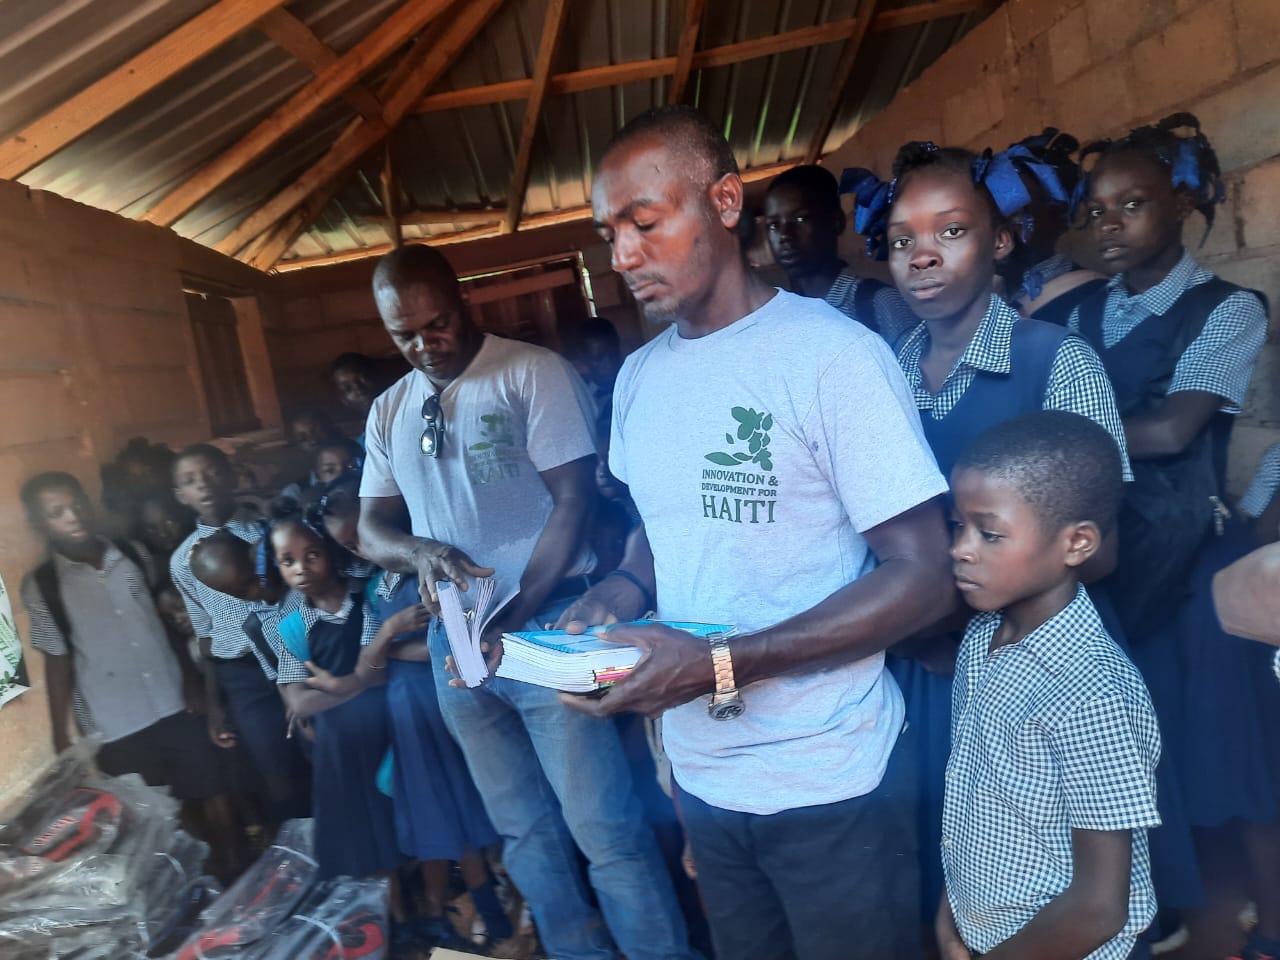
(140, 74)
(595, 78)
(552, 23)
(484, 229)
(292, 35)
(844, 69)
(272, 244)
(464, 22)
(391, 194)
(388, 37)
(684, 52)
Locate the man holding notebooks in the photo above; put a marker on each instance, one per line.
(487, 445)
(777, 460)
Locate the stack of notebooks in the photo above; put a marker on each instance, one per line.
(574, 663)
(580, 663)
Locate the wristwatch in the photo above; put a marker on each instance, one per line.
(726, 702)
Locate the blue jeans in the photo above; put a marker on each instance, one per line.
(552, 778)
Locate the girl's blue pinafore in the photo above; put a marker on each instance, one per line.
(355, 832)
(1216, 695)
(1197, 679)
(438, 811)
(990, 399)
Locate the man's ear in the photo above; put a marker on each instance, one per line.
(1083, 541)
(726, 196)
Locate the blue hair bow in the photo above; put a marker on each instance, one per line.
(262, 551)
(1001, 174)
(872, 199)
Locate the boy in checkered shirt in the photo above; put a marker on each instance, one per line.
(1050, 785)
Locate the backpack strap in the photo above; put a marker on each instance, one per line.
(45, 578)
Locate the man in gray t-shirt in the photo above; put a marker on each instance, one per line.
(784, 484)
(487, 446)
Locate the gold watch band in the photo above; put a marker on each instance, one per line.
(722, 663)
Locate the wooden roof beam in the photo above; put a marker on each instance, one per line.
(616, 74)
(439, 53)
(552, 23)
(384, 40)
(835, 94)
(300, 42)
(139, 75)
(685, 50)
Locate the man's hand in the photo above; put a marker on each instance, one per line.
(950, 946)
(440, 561)
(219, 730)
(612, 600)
(490, 646)
(676, 668)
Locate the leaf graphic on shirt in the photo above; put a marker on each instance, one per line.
(753, 427)
(481, 446)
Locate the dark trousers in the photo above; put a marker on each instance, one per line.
(255, 708)
(832, 882)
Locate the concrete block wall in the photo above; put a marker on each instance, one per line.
(1097, 68)
(95, 348)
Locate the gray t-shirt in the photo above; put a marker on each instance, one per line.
(517, 410)
(758, 455)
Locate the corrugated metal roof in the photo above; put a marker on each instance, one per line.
(460, 158)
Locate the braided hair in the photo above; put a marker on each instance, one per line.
(1189, 159)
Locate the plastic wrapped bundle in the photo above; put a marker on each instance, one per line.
(343, 919)
(267, 893)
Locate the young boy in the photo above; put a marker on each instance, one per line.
(1050, 785)
(238, 671)
(109, 658)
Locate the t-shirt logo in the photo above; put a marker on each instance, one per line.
(752, 495)
(753, 427)
(494, 457)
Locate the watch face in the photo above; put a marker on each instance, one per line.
(727, 710)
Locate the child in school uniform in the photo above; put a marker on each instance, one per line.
(804, 220)
(324, 619)
(971, 361)
(239, 675)
(1051, 778)
(1180, 345)
(110, 661)
(439, 814)
(1032, 182)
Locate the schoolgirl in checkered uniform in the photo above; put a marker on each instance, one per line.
(972, 361)
(1180, 345)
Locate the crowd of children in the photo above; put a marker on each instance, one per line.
(1075, 730)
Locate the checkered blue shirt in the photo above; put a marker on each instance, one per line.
(1078, 382)
(1265, 483)
(893, 317)
(1053, 733)
(213, 614)
(293, 670)
(1220, 360)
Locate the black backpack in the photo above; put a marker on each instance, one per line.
(45, 578)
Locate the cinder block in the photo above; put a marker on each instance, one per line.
(1259, 205)
(1223, 238)
(1095, 102)
(33, 337)
(1116, 25)
(1241, 121)
(1030, 18)
(1256, 273)
(1193, 55)
(968, 113)
(1257, 32)
(128, 338)
(36, 408)
(1069, 46)
(989, 45)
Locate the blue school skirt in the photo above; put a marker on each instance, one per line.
(438, 811)
(355, 822)
(1227, 745)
